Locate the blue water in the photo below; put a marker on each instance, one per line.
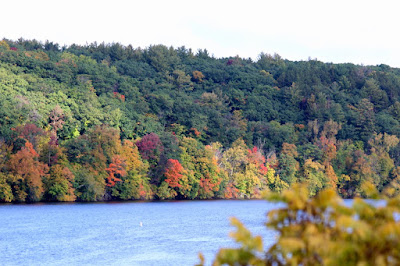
(172, 233)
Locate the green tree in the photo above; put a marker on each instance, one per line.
(59, 184)
(365, 119)
(372, 91)
(288, 165)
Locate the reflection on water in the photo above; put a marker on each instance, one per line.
(129, 233)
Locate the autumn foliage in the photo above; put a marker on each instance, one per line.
(98, 165)
(115, 170)
(255, 157)
(320, 231)
(150, 146)
(106, 121)
(231, 192)
(173, 173)
(59, 184)
(30, 172)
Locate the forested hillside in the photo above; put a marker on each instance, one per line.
(110, 122)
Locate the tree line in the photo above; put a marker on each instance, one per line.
(113, 122)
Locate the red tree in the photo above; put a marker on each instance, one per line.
(254, 156)
(231, 192)
(115, 169)
(150, 147)
(173, 173)
(208, 187)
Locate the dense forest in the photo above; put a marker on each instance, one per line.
(112, 122)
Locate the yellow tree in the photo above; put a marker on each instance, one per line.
(314, 176)
(321, 231)
(233, 161)
(59, 184)
(6, 193)
(134, 183)
(381, 162)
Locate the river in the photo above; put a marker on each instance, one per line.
(124, 233)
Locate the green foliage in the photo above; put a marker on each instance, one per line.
(89, 185)
(134, 186)
(6, 194)
(330, 125)
(59, 184)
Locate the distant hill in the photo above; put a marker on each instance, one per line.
(106, 121)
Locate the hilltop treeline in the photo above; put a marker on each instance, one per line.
(110, 122)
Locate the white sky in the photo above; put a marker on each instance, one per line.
(362, 32)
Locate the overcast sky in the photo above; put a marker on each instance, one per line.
(362, 32)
